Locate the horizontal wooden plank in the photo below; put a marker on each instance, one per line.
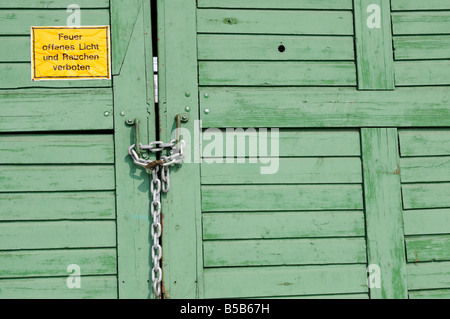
(52, 4)
(417, 73)
(49, 263)
(21, 52)
(398, 5)
(335, 296)
(56, 149)
(311, 170)
(56, 110)
(277, 73)
(92, 287)
(425, 169)
(428, 248)
(416, 23)
(434, 275)
(430, 294)
(426, 222)
(57, 234)
(275, 48)
(283, 225)
(284, 281)
(19, 22)
(285, 4)
(284, 252)
(57, 206)
(318, 107)
(275, 22)
(18, 75)
(281, 197)
(416, 196)
(425, 142)
(286, 142)
(422, 47)
(44, 178)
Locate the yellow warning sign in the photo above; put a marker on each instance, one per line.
(70, 53)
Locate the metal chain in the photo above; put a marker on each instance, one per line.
(176, 156)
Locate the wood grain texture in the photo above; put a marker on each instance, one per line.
(428, 248)
(254, 225)
(21, 52)
(419, 73)
(51, 4)
(286, 4)
(430, 294)
(417, 23)
(398, 5)
(433, 275)
(428, 195)
(425, 169)
(424, 142)
(274, 22)
(426, 222)
(384, 217)
(422, 47)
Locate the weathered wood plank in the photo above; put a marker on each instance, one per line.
(56, 149)
(43, 178)
(426, 195)
(18, 22)
(415, 23)
(317, 107)
(283, 225)
(408, 73)
(276, 48)
(424, 142)
(277, 73)
(434, 275)
(375, 71)
(284, 252)
(290, 171)
(430, 294)
(285, 4)
(281, 197)
(92, 287)
(399, 5)
(54, 234)
(48, 263)
(337, 296)
(425, 169)
(21, 52)
(383, 206)
(57, 206)
(275, 22)
(284, 281)
(426, 222)
(52, 4)
(428, 248)
(422, 47)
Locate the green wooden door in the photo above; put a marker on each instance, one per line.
(358, 207)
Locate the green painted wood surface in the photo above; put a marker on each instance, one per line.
(417, 73)
(57, 234)
(318, 107)
(92, 287)
(427, 195)
(398, 5)
(383, 207)
(319, 170)
(52, 4)
(338, 296)
(428, 169)
(254, 225)
(18, 22)
(286, 4)
(428, 248)
(422, 47)
(425, 222)
(430, 294)
(284, 252)
(281, 197)
(375, 71)
(296, 143)
(43, 178)
(49, 263)
(21, 52)
(57, 206)
(433, 275)
(284, 281)
(267, 47)
(57, 149)
(277, 73)
(275, 22)
(424, 142)
(416, 23)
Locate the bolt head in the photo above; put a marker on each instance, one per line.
(206, 111)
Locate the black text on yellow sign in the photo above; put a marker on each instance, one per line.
(70, 53)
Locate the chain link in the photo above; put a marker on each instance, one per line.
(157, 185)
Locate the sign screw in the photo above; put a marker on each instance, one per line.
(122, 113)
(188, 109)
(206, 111)
(106, 113)
(187, 94)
